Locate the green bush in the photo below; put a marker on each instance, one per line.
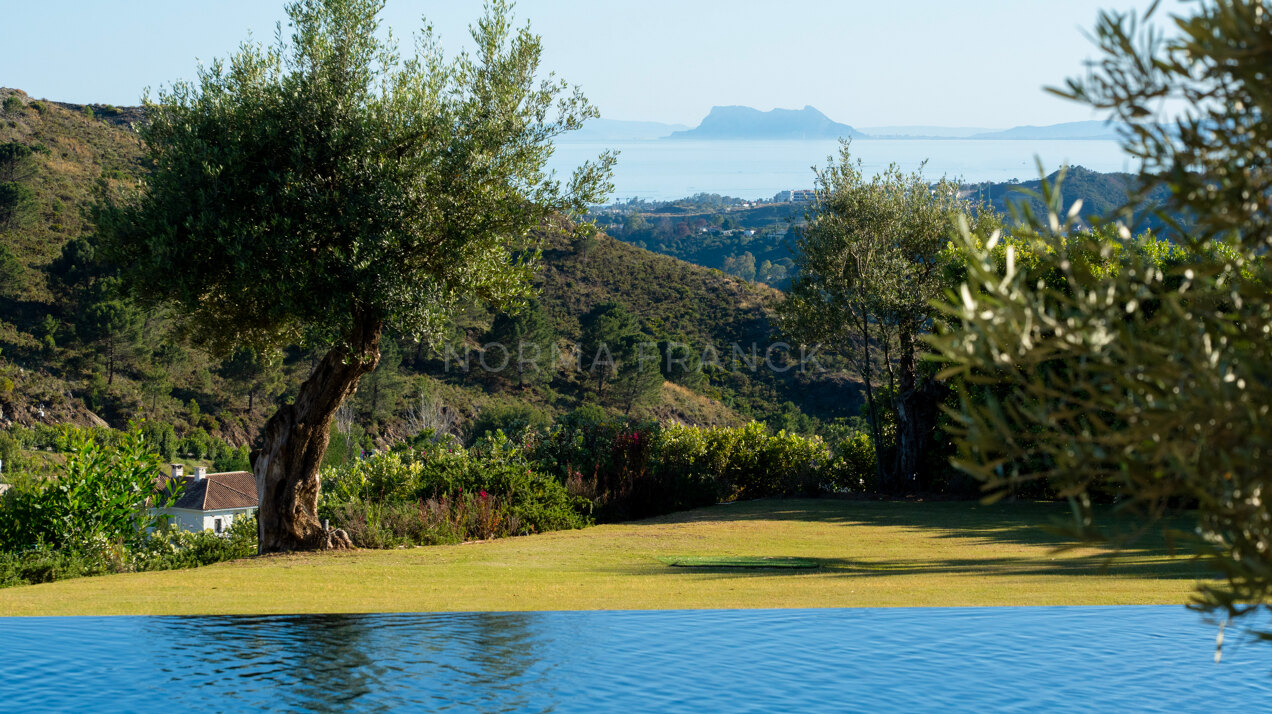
(636, 470)
(11, 459)
(604, 460)
(162, 550)
(853, 466)
(757, 464)
(433, 521)
(15, 200)
(469, 489)
(514, 420)
(232, 459)
(170, 549)
(46, 565)
(102, 493)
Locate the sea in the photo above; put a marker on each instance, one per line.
(660, 169)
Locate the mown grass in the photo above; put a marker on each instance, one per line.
(868, 553)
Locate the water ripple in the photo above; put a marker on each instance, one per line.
(908, 659)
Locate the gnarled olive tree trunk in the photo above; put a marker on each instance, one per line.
(295, 440)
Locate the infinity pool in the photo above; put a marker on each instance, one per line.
(948, 659)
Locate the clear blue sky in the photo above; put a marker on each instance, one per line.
(966, 63)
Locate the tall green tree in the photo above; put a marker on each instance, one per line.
(1153, 379)
(639, 379)
(326, 188)
(529, 341)
(871, 258)
(608, 329)
(10, 271)
(254, 371)
(16, 197)
(385, 385)
(109, 323)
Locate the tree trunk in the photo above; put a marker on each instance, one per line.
(872, 410)
(295, 440)
(916, 416)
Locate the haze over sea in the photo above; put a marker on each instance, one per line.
(664, 170)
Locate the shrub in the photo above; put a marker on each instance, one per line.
(514, 420)
(101, 493)
(853, 466)
(635, 470)
(436, 495)
(231, 459)
(15, 200)
(433, 521)
(10, 454)
(601, 459)
(162, 550)
(170, 549)
(757, 464)
(44, 565)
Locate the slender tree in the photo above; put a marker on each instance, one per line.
(529, 341)
(253, 371)
(639, 378)
(10, 271)
(325, 188)
(871, 259)
(607, 330)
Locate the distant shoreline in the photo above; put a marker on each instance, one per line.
(871, 137)
(668, 170)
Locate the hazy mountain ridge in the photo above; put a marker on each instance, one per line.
(1068, 130)
(621, 130)
(738, 122)
(923, 131)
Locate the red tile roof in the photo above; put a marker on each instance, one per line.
(231, 489)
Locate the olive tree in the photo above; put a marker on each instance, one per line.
(1154, 379)
(325, 188)
(871, 259)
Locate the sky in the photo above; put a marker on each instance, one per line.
(980, 63)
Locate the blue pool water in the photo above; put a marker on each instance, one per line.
(913, 659)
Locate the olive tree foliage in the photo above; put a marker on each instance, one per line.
(1151, 381)
(325, 188)
(871, 259)
(297, 189)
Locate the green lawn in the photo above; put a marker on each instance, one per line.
(867, 554)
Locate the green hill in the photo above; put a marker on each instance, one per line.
(1101, 194)
(71, 350)
(755, 242)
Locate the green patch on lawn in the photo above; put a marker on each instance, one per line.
(741, 561)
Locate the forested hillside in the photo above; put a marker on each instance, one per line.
(1101, 194)
(755, 241)
(73, 349)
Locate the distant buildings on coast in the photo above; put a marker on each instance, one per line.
(802, 195)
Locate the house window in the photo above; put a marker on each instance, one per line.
(216, 525)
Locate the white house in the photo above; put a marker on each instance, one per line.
(209, 501)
